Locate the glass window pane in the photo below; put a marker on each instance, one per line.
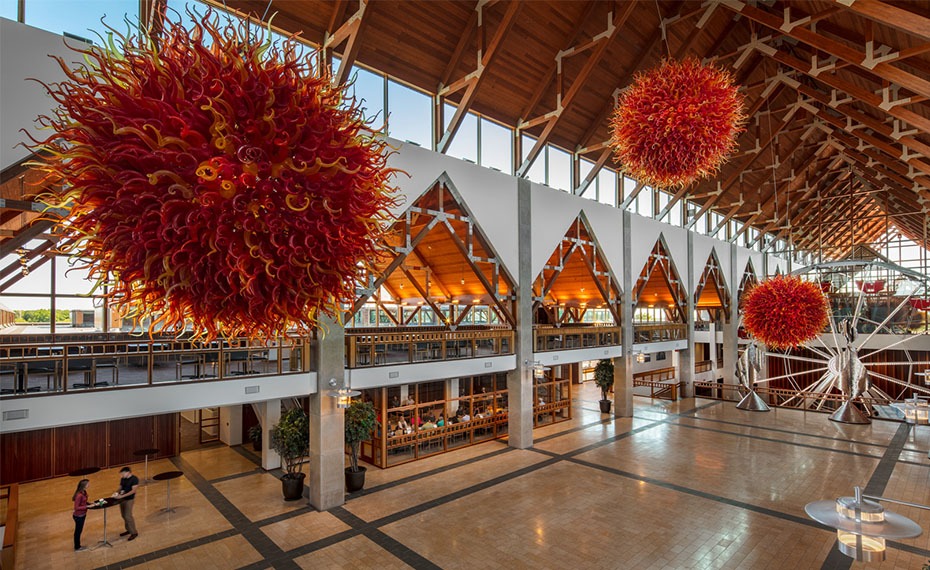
(38, 281)
(644, 200)
(465, 142)
(607, 186)
(496, 146)
(537, 172)
(369, 90)
(584, 170)
(411, 115)
(80, 18)
(663, 199)
(674, 217)
(560, 169)
(9, 9)
(629, 186)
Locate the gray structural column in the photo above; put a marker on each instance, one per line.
(731, 326)
(623, 366)
(520, 380)
(269, 414)
(327, 422)
(686, 356)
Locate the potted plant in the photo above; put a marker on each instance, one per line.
(604, 378)
(360, 422)
(291, 440)
(255, 436)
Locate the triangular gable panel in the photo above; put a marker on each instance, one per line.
(742, 258)
(552, 212)
(758, 261)
(644, 233)
(677, 241)
(703, 246)
(491, 196)
(607, 225)
(779, 264)
(722, 249)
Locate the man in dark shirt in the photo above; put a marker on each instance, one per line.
(128, 483)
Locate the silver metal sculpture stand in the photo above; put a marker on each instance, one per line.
(848, 413)
(753, 402)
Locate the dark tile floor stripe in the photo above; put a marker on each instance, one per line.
(266, 547)
(759, 437)
(169, 550)
(435, 471)
(582, 427)
(255, 471)
(386, 542)
(251, 456)
(417, 509)
(876, 486)
(782, 430)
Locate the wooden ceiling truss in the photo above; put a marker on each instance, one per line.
(660, 273)
(437, 248)
(578, 258)
(712, 277)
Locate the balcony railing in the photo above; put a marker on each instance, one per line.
(407, 345)
(782, 397)
(659, 332)
(661, 383)
(64, 367)
(547, 338)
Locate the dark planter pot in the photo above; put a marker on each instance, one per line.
(257, 445)
(293, 487)
(605, 406)
(355, 480)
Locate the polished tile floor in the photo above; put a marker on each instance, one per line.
(690, 484)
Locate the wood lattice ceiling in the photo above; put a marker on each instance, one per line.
(837, 149)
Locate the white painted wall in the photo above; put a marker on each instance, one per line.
(95, 406)
(24, 53)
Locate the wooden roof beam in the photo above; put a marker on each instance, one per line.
(544, 83)
(456, 58)
(349, 32)
(867, 62)
(471, 81)
(599, 43)
(899, 18)
(859, 93)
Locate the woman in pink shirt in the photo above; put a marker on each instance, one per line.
(80, 512)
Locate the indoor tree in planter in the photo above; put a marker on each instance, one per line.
(360, 422)
(604, 378)
(255, 436)
(291, 440)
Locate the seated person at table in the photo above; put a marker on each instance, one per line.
(441, 421)
(466, 417)
(429, 424)
(403, 426)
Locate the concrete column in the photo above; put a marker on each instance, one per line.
(520, 380)
(731, 326)
(327, 422)
(623, 366)
(270, 412)
(712, 347)
(686, 356)
(231, 425)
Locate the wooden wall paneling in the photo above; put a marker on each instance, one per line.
(80, 446)
(127, 436)
(167, 429)
(25, 456)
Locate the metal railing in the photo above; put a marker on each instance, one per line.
(547, 338)
(407, 345)
(38, 368)
(661, 383)
(659, 332)
(783, 397)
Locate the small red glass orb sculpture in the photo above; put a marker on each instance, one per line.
(676, 123)
(215, 181)
(785, 311)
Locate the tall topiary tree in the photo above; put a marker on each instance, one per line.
(291, 440)
(360, 423)
(604, 376)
